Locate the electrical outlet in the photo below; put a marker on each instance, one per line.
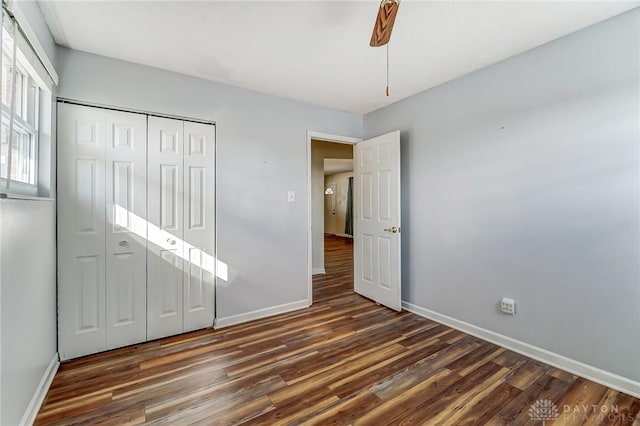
(508, 306)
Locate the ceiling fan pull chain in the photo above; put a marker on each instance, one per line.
(387, 69)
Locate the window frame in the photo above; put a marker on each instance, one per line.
(29, 99)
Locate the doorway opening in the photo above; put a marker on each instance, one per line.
(331, 194)
(376, 214)
(336, 279)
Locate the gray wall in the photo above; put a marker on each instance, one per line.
(28, 277)
(28, 273)
(261, 154)
(522, 180)
(319, 151)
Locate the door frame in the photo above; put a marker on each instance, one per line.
(325, 137)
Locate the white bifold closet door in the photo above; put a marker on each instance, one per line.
(101, 229)
(181, 209)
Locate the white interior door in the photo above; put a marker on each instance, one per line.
(165, 215)
(81, 231)
(126, 228)
(199, 231)
(377, 219)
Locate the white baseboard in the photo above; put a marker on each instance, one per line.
(41, 392)
(578, 368)
(261, 313)
(318, 271)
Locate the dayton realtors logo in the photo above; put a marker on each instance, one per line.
(544, 410)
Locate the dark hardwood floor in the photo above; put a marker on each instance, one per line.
(343, 361)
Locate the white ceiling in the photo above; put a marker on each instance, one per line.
(318, 51)
(337, 165)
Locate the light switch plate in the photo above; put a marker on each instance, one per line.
(291, 196)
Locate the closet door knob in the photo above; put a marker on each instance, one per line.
(171, 241)
(123, 243)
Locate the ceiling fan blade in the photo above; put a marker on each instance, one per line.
(384, 23)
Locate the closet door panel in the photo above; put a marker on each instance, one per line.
(126, 229)
(81, 231)
(199, 231)
(165, 251)
(136, 228)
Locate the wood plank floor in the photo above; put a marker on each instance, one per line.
(343, 361)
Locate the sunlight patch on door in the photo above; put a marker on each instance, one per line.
(168, 241)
